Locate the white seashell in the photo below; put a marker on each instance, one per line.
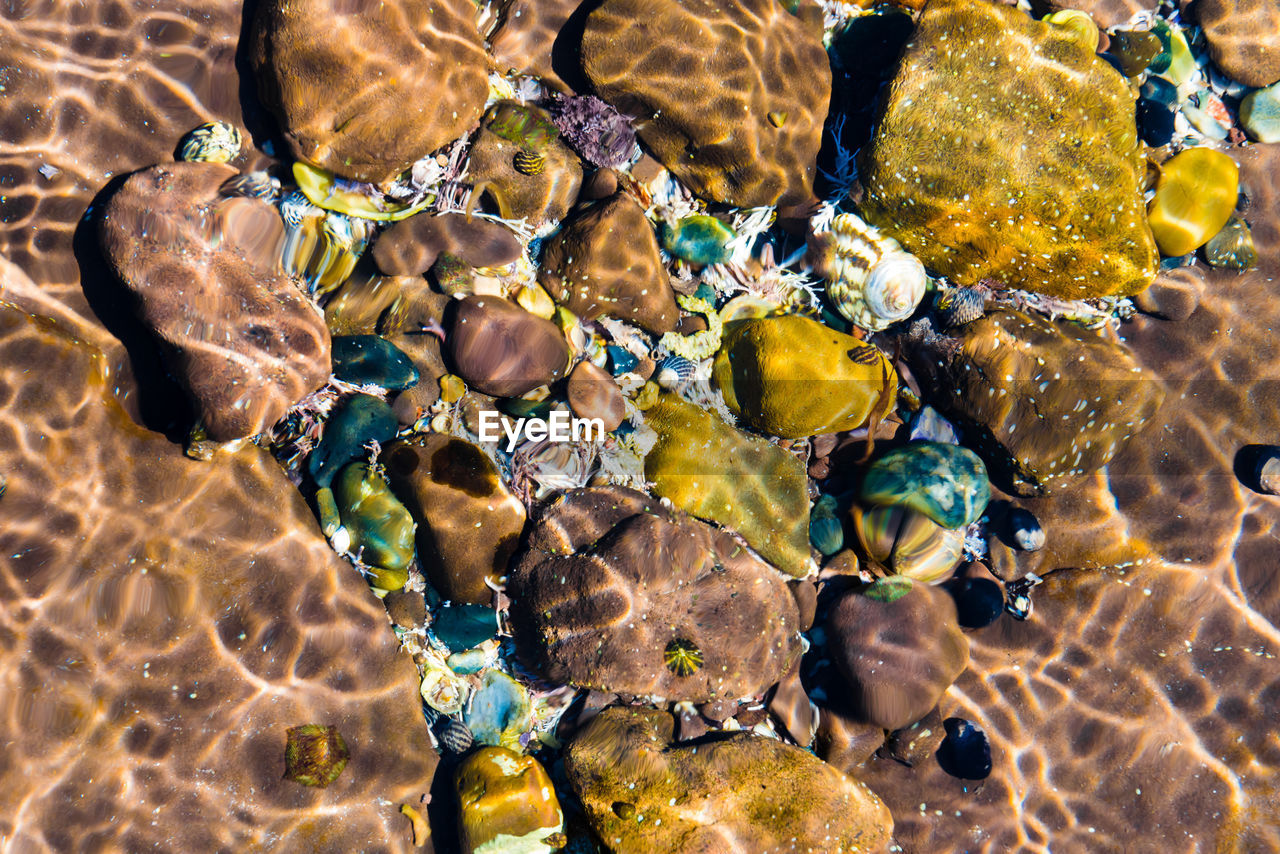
(895, 287)
(872, 280)
(341, 541)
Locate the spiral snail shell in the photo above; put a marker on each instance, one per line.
(871, 279)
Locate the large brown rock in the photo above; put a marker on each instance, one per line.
(167, 621)
(897, 658)
(730, 97)
(469, 524)
(740, 793)
(410, 247)
(519, 163)
(239, 334)
(619, 594)
(1010, 153)
(1051, 402)
(501, 349)
(1244, 38)
(606, 261)
(364, 88)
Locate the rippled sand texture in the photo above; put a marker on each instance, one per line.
(163, 622)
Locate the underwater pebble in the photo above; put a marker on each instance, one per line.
(1232, 247)
(372, 359)
(947, 483)
(1026, 529)
(1195, 195)
(965, 752)
(1260, 114)
(1156, 122)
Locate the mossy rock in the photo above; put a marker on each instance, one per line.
(791, 376)
(715, 472)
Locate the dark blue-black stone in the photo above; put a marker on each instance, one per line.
(979, 601)
(356, 422)
(462, 627)
(362, 359)
(1155, 122)
(1160, 90)
(965, 752)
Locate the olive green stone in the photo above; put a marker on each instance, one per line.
(698, 239)
(381, 528)
(947, 483)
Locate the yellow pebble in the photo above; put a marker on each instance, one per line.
(1195, 196)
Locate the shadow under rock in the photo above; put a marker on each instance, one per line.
(566, 50)
(148, 391)
(258, 120)
(1247, 465)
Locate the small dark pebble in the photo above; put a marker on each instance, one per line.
(356, 422)
(462, 627)
(1161, 91)
(965, 752)
(1025, 529)
(979, 601)
(1155, 122)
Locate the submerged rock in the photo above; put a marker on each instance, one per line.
(718, 473)
(519, 161)
(1244, 38)
(740, 792)
(380, 528)
(469, 523)
(355, 423)
(791, 376)
(238, 334)
(606, 261)
(507, 802)
(616, 593)
(730, 98)
(897, 658)
(947, 483)
(1050, 402)
(976, 170)
(1194, 198)
(372, 359)
(364, 88)
(501, 349)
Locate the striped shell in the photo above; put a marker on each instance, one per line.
(454, 736)
(529, 163)
(212, 142)
(254, 185)
(908, 543)
(872, 281)
(674, 372)
(959, 306)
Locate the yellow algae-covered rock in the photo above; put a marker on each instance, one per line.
(508, 805)
(1194, 199)
(793, 377)
(712, 471)
(644, 791)
(1007, 150)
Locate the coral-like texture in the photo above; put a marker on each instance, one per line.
(899, 657)
(642, 792)
(792, 377)
(606, 261)
(503, 350)
(1244, 38)
(718, 473)
(469, 524)
(1007, 150)
(730, 97)
(242, 338)
(1051, 401)
(364, 88)
(612, 585)
(167, 622)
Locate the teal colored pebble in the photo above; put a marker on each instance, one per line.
(362, 359)
(826, 534)
(461, 627)
(698, 239)
(1260, 114)
(499, 711)
(359, 420)
(947, 483)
